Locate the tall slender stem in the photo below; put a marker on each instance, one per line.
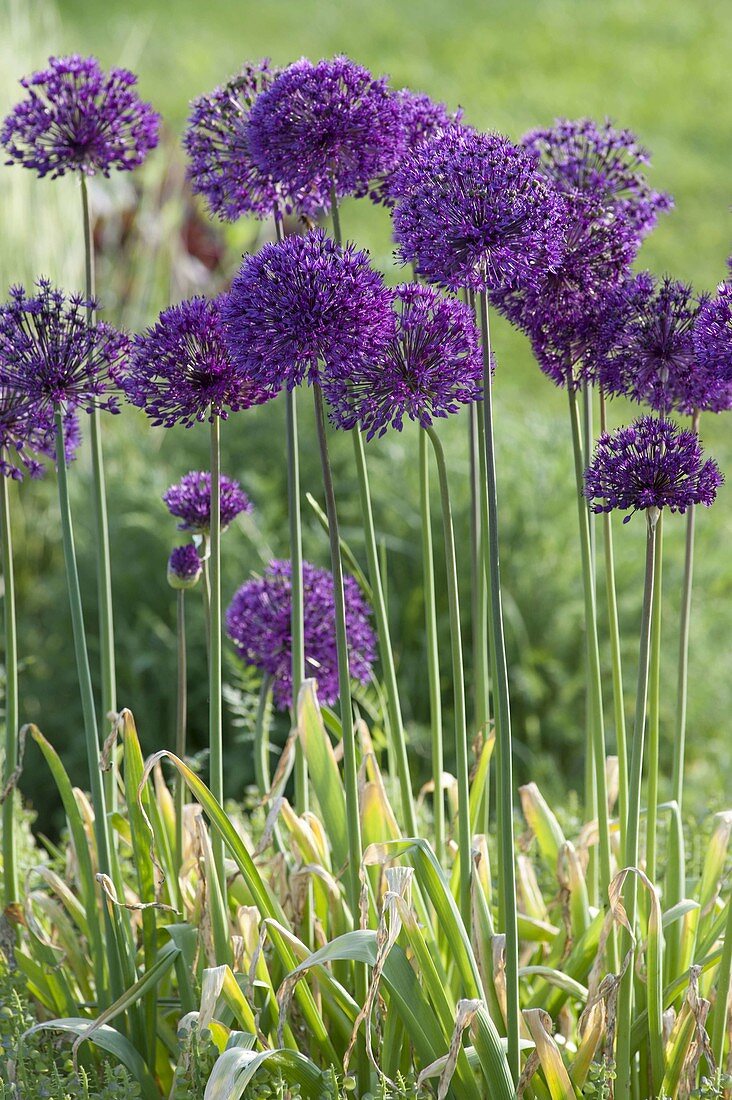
(261, 738)
(590, 784)
(215, 713)
(458, 678)
(654, 706)
(623, 1057)
(502, 709)
(479, 620)
(10, 867)
(181, 713)
(433, 655)
(91, 734)
(385, 648)
(615, 653)
(720, 1019)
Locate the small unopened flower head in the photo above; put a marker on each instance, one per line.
(652, 464)
(258, 622)
(604, 163)
(473, 211)
(184, 567)
(431, 367)
(189, 500)
(28, 435)
(77, 118)
(305, 307)
(713, 334)
(180, 370)
(51, 357)
(324, 124)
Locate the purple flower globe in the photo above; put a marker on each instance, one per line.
(77, 118)
(651, 464)
(51, 357)
(184, 567)
(28, 435)
(431, 367)
(473, 211)
(258, 622)
(603, 163)
(305, 307)
(713, 334)
(325, 125)
(180, 370)
(189, 500)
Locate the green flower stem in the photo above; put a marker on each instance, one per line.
(215, 712)
(615, 652)
(385, 648)
(590, 784)
(91, 734)
(10, 867)
(724, 983)
(677, 782)
(593, 653)
(623, 1057)
(458, 678)
(180, 723)
(654, 704)
(433, 655)
(206, 594)
(479, 619)
(261, 738)
(502, 708)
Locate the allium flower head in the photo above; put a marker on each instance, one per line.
(431, 367)
(51, 357)
(713, 334)
(189, 500)
(180, 370)
(28, 435)
(304, 305)
(603, 163)
(258, 622)
(221, 168)
(651, 464)
(651, 357)
(473, 211)
(184, 567)
(77, 118)
(325, 124)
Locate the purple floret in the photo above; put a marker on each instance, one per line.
(651, 464)
(51, 357)
(189, 500)
(473, 211)
(431, 367)
(184, 566)
(323, 125)
(258, 622)
(306, 306)
(28, 435)
(77, 118)
(713, 334)
(180, 370)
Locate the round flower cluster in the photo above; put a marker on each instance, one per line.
(184, 567)
(77, 118)
(258, 622)
(713, 334)
(28, 435)
(189, 500)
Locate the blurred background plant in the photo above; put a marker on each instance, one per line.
(656, 67)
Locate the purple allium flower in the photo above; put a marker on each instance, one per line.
(603, 163)
(306, 305)
(651, 356)
(651, 464)
(258, 622)
(28, 434)
(431, 367)
(51, 357)
(184, 567)
(473, 211)
(190, 501)
(221, 167)
(323, 125)
(180, 370)
(77, 118)
(713, 334)
(421, 118)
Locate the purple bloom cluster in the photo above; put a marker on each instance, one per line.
(180, 370)
(28, 435)
(431, 367)
(651, 464)
(602, 163)
(473, 211)
(184, 567)
(258, 622)
(77, 118)
(189, 500)
(713, 334)
(51, 357)
(325, 125)
(304, 305)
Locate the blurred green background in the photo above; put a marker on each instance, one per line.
(660, 68)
